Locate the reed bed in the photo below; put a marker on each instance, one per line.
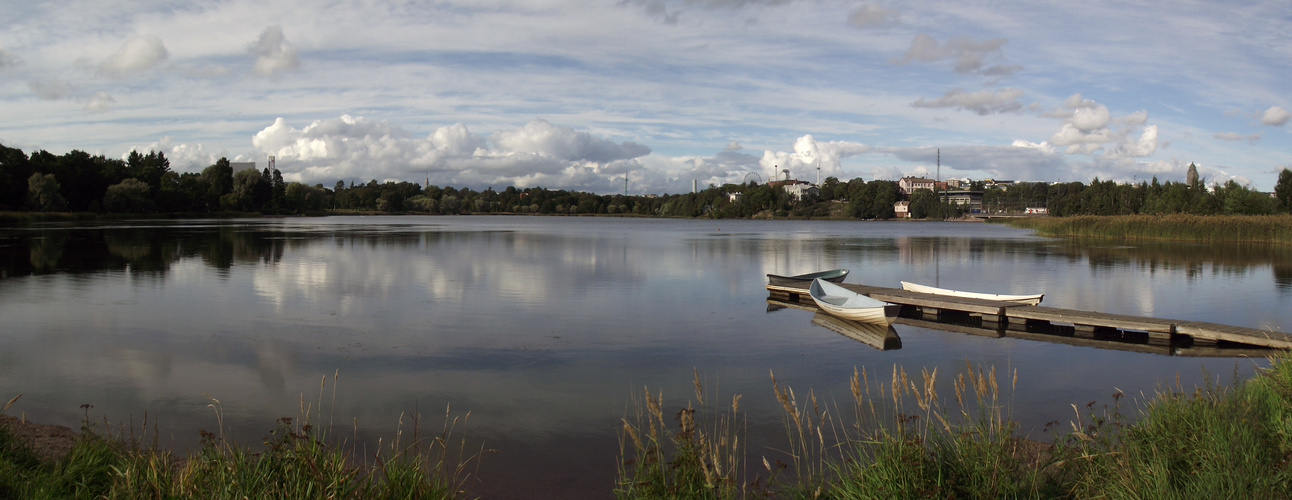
(899, 438)
(297, 460)
(1262, 229)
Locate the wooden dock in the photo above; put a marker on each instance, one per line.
(1014, 318)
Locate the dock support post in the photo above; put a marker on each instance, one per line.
(995, 322)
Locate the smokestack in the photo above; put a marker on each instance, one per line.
(693, 187)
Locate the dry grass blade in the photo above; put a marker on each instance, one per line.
(10, 403)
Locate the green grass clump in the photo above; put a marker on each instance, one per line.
(902, 440)
(1264, 229)
(296, 461)
(1216, 442)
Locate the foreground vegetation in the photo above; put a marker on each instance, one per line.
(296, 461)
(894, 438)
(1194, 228)
(900, 439)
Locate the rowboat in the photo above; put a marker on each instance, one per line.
(1030, 300)
(833, 276)
(879, 336)
(843, 303)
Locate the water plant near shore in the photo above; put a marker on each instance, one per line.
(903, 441)
(297, 460)
(1257, 229)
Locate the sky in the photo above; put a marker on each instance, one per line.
(588, 94)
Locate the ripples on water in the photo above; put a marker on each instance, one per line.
(543, 327)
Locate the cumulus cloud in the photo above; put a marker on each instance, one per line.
(1276, 116)
(970, 56)
(983, 102)
(873, 16)
(7, 59)
(136, 55)
(273, 53)
(537, 153)
(1089, 128)
(808, 154)
(565, 143)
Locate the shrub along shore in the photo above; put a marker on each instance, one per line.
(896, 438)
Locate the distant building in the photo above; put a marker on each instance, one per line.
(1003, 185)
(1037, 211)
(239, 166)
(797, 189)
(908, 185)
(902, 209)
(970, 200)
(734, 197)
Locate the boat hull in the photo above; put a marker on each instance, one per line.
(847, 304)
(833, 276)
(1030, 300)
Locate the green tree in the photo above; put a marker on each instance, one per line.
(43, 193)
(1283, 190)
(128, 196)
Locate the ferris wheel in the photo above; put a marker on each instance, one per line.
(753, 177)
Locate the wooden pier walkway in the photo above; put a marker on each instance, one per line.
(1018, 318)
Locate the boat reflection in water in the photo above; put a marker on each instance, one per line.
(882, 337)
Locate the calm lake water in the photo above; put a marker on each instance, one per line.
(544, 328)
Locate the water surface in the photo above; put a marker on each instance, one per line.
(544, 328)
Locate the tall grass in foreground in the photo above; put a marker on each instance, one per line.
(900, 439)
(1178, 227)
(702, 459)
(297, 460)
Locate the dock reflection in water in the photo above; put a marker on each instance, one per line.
(875, 335)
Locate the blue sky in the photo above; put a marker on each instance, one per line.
(578, 94)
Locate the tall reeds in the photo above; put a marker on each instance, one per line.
(1264, 229)
(702, 458)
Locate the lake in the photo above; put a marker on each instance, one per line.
(545, 328)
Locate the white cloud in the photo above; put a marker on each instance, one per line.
(136, 55)
(969, 55)
(873, 16)
(983, 102)
(538, 153)
(1276, 116)
(1088, 129)
(273, 53)
(565, 143)
(809, 154)
(1044, 147)
(99, 101)
(7, 59)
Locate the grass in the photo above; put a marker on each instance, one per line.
(1264, 229)
(296, 460)
(901, 439)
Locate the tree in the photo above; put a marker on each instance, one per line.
(43, 193)
(1283, 190)
(219, 181)
(128, 196)
(15, 170)
(924, 204)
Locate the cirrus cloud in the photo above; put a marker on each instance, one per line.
(983, 102)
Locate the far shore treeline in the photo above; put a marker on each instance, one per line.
(143, 183)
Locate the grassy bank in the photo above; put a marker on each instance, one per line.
(900, 439)
(1191, 228)
(296, 461)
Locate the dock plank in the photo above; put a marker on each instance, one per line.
(1016, 315)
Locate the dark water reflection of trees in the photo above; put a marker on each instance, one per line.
(155, 248)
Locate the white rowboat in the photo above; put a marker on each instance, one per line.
(843, 303)
(1030, 300)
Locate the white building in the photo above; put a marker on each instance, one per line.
(908, 185)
